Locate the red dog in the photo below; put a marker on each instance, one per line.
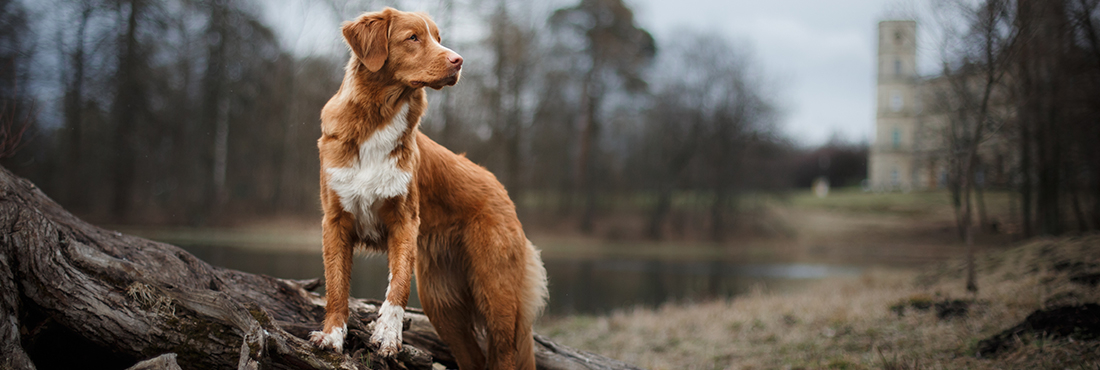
(387, 187)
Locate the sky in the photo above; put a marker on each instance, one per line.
(819, 54)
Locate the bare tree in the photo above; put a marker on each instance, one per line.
(75, 82)
(673, 136)
(707, 114)
(972, 75)
(1045, 88)
(511, 44)
(129, 104)
(16, 52)
(612, 46)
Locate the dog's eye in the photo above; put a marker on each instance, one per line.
(413, 38)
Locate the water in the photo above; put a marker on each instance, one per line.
(589, 285)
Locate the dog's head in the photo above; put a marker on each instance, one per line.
(404, 45)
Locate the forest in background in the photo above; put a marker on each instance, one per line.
(191, 112)
(1020, 79)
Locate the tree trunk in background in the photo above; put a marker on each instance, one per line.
(1078, 212)
(983, 216)
(1089, 29)
(1042, 71)
(515, 133)
(515, 161)
(510, 72)
(1025, 175)
(75, 191)
(450, 124)
(659, 213)
(498, 24)
(283, 198)
(717, 213)
(221, 155)
(590, 132)
(127, 104)
(1050, 156)
(968, 213)
(72, 294)
(955, 187)
(1096, 201)
(210, 122)
(1096, 196)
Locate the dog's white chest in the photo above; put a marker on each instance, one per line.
(372, 177)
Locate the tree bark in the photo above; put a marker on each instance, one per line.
(73, 294)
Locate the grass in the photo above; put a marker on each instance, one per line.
(855, 200)
(917, 203)
(847, 199)
(848, 323)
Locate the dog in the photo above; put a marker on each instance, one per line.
(387, 187)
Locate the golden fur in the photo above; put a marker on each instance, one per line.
(454, 224)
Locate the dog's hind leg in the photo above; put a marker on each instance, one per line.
(500, 326)
(456, 326)
(497, 298)
(445, 296)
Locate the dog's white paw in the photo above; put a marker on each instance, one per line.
(334, 340)
(387, 329)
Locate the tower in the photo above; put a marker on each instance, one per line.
(891, 164)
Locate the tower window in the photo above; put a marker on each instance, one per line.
(895, 138)
(896, 101)
(897, 67)
(897, 37)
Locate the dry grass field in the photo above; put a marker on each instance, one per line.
(883, 319)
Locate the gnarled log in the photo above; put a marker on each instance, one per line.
(73, 295)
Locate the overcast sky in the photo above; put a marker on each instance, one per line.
(819, 53)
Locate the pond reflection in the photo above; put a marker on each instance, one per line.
(589, 286)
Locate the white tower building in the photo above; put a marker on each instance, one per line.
(891, 159)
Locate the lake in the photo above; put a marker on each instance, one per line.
(590, 284)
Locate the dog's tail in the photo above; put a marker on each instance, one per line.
(534, 295)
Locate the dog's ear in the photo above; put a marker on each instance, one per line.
(369, 38)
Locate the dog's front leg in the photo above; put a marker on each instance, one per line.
(337, 232)
(402, 256)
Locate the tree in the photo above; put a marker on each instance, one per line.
(967, 94)
(130, 105)
(707, 117)
(16, 52)
(17, 110)
(674, 133)
(613, 51)
(1085, 16)
(1041, 88)
(74, 79)
(511, 44)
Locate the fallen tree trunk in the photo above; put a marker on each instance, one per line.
(73, 295)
